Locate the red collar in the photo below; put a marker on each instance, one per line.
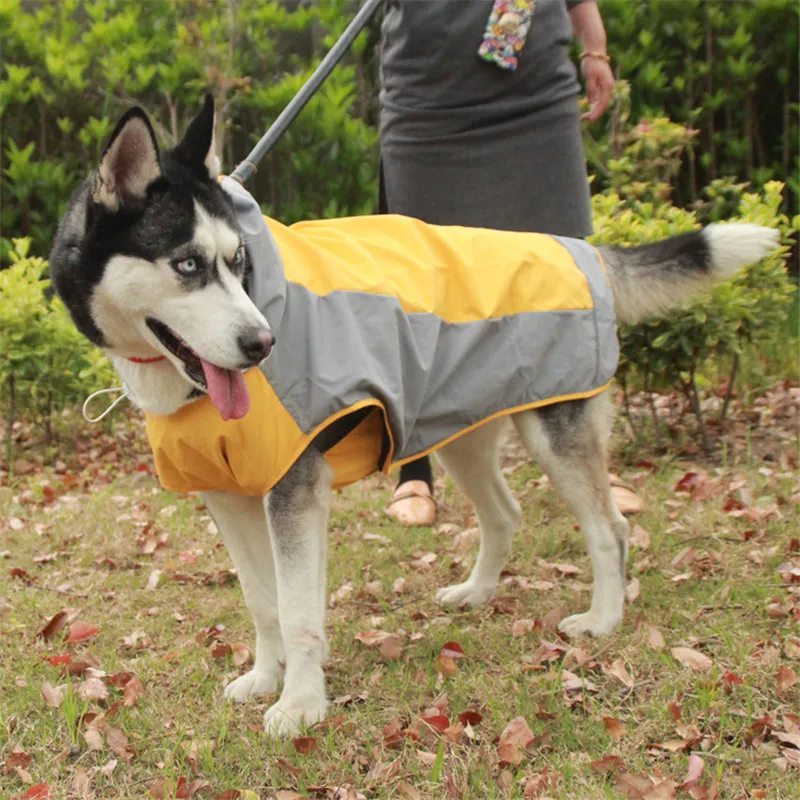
(145, 360)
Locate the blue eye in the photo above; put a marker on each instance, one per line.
(187, 266)
(238, 259)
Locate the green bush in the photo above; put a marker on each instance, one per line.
(726, 69)
(750, 310)
(46, 363)
(71, 68)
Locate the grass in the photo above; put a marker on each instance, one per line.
(726, 599)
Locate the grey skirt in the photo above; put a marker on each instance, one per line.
(526, 173)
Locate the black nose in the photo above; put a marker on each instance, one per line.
(256, 344)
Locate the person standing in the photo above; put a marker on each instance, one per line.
(480, 126)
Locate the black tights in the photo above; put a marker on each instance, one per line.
(421, 469)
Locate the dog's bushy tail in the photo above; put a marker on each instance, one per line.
(652, 279)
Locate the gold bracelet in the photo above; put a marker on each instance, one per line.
(602, 56)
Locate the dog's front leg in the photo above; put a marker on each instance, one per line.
(242, 521)
(298, 519)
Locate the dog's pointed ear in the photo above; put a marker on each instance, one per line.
(129, 164)
(198, 146)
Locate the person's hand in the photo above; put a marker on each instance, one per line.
(599, 84)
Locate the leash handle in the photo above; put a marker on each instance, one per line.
(123, 389)
(248, 167)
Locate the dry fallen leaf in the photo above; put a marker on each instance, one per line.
(407, 791)
(692, 658)
(94, 738)
(640, 538)
(108, 768)
(92, 689)
(618, 670)
(471, 718)
(439, 722)
(118, 742)
(690, 482)
(41, 791)
(446, 666)
(454, 732)
(655, 639)
(570, 682)
(81, 784)
(694, 773)
(241, 654)
(516, 736)
(390, 644)
(153, 580)
(685, 557)
(371, 638)
(522, 626)
(614, 728)
(79, 631)
(452, 650)
(132, 692)
(788, 738)
(791, 647)
(607, 764)
(56, 624)
(640, 787)
(567, 569)
(786, 678)
(391, 648)
(221, 650)
(52, 695)
(15, 759)
(304, 744)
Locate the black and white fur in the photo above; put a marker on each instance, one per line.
(115, 263)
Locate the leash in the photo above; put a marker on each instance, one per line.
(249, 166)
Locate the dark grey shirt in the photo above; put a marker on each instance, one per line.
(434, 84)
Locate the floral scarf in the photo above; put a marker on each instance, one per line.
(506, 31)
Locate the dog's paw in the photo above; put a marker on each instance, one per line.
(290, 714)
(588, 624)
(255, 683)
(464, 594)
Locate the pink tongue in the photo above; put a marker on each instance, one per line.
(227, 390)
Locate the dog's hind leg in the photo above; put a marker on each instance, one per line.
(473, 462)
(242, 521)
(298, 518)
(570, 442)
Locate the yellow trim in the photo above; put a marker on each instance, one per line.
(370, 402)
(388, 465)
(504, 413)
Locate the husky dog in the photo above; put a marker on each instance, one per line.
(153, 266)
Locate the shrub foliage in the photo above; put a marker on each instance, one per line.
(701, 129)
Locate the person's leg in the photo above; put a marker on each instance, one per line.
(419, 470)
(412, 502)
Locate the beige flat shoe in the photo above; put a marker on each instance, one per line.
(412, 504)
(628, 502)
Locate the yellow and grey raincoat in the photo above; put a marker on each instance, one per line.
(439, 329)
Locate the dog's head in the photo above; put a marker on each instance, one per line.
(150, 259)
